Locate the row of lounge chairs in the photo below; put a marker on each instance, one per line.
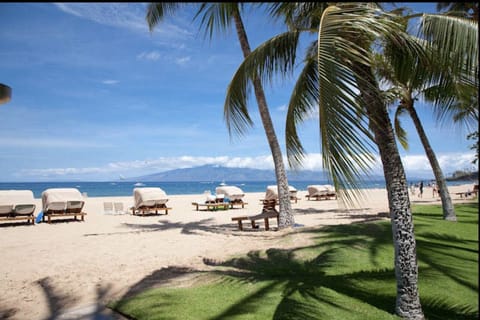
(57, 202)
(69, 202)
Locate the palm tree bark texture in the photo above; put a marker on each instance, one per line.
(406, 269)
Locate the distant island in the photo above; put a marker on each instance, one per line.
(221, 173)
(460, 175)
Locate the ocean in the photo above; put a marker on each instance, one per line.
(125, 188)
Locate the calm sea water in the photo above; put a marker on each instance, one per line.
(124, 188)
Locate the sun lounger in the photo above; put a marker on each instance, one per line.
(17, 205)
(271, 195)
(61, 203)
(149, 200)
(108, 208)
(265, 216)
(468, 193)
(212, 202)
(234, 194)
(321, 192)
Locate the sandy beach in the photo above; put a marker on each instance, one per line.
(67, 269)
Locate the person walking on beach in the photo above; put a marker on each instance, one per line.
(434, 189)
(420, 189)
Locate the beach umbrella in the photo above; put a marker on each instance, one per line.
(5, 93)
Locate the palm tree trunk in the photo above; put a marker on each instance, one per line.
(448, 210)
(406, 270)
(286, 218)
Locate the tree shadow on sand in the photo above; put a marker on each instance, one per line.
(61, 305)
(188, 228)
(318, 280)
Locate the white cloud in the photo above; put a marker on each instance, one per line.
(182, 61)
(123, 15)
(151, 56)
(110, 82)
(415, 165)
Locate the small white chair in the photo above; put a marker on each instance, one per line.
(108, 208)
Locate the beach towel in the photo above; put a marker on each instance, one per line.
(39, 217)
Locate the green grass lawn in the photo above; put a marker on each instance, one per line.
(347, 273)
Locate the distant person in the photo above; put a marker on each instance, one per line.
(420, 189)
(434, 189)
(412, 188)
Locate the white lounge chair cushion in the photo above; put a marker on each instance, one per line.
(56, 198)
(272, 192)
(231, 192)
(10, 199)
(149, 197)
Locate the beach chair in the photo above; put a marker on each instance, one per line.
(61, 203)
(321, 192)
(17, 205)
(271, 196)
(118, 207)
(266, 215)
(470, 192)
(149, 200)
(108, 208)
(212, 202)
(233, 194)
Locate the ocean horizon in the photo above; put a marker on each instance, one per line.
(125, 188)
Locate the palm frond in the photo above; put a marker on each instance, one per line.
(217, 16)
(157, 11)
(455, 41)
(275, 56)
(347, 144)
(303, 102)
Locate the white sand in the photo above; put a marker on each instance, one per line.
(48, 269)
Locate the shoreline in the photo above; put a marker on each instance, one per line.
(49, 269)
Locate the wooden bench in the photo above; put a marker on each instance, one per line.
(51, 215)
(150, 210)
(212, 206)
(326, 196)
(265, 216)
(237, 203)
(15, 218)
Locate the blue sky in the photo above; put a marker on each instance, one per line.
(96, 96)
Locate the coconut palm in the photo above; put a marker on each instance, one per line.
(456, 95)
(338, 79)
(408, 79)
(221, 16)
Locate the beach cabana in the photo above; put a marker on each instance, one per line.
(61, 203)
(17, 205)
(319, 192)
(149, 200)
(234, 194)
(272, 193)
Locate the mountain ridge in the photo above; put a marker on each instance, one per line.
(221, 173)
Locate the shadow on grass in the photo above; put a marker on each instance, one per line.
(320, 280)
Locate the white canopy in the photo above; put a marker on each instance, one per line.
(58, 197)
(14, 197)
(320, 190)
(272, 192)
(149, 197)
(231, 192)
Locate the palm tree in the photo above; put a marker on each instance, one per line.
(221, 15)
(338, 76)
(409, 79)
